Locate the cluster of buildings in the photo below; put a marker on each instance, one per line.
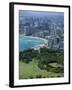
(44, 28)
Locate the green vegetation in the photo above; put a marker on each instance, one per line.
(44, 64)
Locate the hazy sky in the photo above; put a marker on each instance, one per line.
(39, 13)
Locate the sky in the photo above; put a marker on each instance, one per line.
(39, 13)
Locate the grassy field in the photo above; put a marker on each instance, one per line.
(31, 70)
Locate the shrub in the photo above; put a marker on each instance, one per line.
(38, 76)
(26, 61)
(30, 77)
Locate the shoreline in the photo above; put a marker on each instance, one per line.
(45, 44)
(46, 41)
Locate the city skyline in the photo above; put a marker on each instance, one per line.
(47, 25)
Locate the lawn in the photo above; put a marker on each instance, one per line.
(31, 70)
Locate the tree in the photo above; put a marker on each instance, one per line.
(60, 59)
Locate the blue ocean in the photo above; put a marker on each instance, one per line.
(28, 42)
